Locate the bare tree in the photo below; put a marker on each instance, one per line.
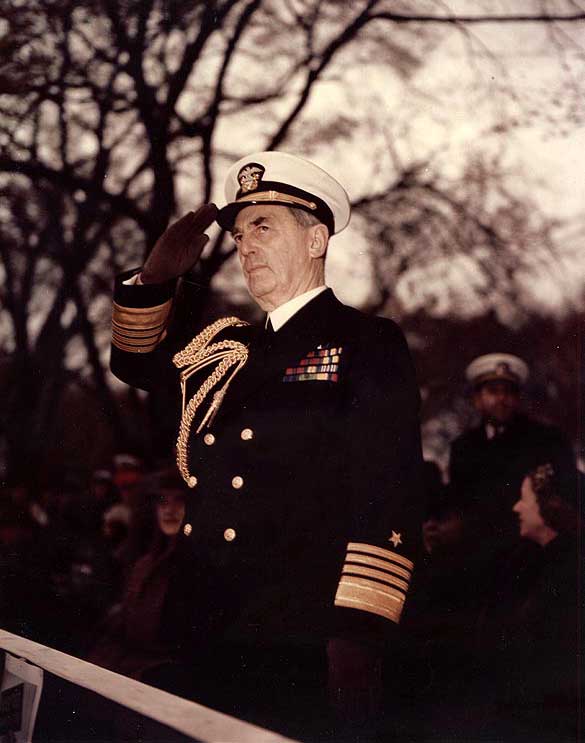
(423, 229)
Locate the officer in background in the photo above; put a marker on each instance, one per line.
(301, 444)
(489, 462)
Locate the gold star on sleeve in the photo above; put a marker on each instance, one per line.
(396, 538)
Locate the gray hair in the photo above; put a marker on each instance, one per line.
(303, 218)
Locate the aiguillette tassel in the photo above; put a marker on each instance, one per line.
(212, 410)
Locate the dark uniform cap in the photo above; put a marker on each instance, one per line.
(497, 367)
(164, 479)
(287, 180)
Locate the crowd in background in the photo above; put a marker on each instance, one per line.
(67, 551)
(490, 644)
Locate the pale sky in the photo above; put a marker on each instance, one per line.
(448, 110)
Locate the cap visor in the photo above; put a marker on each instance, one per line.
(227, 216)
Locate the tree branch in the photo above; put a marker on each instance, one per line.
(313, 75)
(58, 178)
(211, 19)
(458, 19)
(213, 109)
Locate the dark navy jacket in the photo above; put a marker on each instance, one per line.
(307, 470)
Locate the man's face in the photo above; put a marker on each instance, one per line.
(274, 252)
(498, 402)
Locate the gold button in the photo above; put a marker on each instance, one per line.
(247, 434)
(192, 481)
(209, 439)
(229, 535)
(237, 482)
(187, 529)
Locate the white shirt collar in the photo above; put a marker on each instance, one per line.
(283, 314)
(492, 430)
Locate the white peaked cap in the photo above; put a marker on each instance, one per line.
(281, 178)
(495, 367)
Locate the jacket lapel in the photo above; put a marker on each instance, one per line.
(269, 356)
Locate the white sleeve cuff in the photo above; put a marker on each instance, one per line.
(133, 280)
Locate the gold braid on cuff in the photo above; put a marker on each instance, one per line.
(139, 329)
(199, 353)
(375, 580)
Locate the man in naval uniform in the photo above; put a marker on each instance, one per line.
(491, 459)
(300, 442)
(488, 462)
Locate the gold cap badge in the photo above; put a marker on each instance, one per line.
(250, 176)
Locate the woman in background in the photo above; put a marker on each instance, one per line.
(134, 641)
(529, 631)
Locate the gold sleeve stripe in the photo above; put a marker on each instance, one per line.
(355, 595)
(377, 574)
(356, 557)
(141, 317)
(378, 587)
(129, 341)
(138, 334)
(140, 323)
(141, 348)
(139, 329)
(379, 552)
(134, 311)
(374, 579)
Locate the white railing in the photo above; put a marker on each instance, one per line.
(192, 719)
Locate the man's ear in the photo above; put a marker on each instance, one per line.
(318, 246)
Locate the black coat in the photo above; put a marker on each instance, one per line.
(486, 476)
(325, 461)
(486, 468)
(528, 642)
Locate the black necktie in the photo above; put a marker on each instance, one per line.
(267, 337)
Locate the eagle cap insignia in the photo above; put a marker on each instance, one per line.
(502, 368)
(250, 176)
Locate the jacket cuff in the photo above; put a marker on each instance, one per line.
(374, 580)
(140, 313)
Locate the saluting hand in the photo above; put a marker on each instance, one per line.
(179, 247)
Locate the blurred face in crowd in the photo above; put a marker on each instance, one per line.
(128, 482)
(442, 534)
(532, 525)
(497, 401)
(170, 512)
(114, 531)
(101, 488)
(280, 258)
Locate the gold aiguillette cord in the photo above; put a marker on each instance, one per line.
(199, 353)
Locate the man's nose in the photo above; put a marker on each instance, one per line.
(246, 245)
